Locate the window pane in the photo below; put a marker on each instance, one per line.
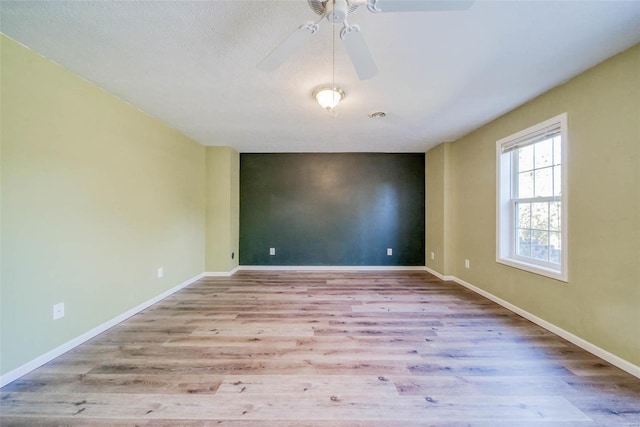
(543, 153)
(525, 185)
(554, 216)
(557, 151)
(540, 245)
(540, 216)
(524, 215)
(544, 182)
(523, 243)
(525, 159)
(557, 181)
(555, 248)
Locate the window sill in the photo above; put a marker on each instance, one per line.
(533, 268)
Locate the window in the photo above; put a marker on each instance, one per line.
(531, 199)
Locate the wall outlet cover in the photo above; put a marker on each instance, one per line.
(58, 311)
(160, 272)
(389, 251)
(272, 251)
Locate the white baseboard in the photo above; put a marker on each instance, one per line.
(328, 268)
(69, 345)
(438, 275)
(220, 273)
(586, 345)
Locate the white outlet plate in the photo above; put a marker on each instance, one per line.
(433, 256)
(58, 311)
(160, 272)
(389, 251)
(466, 263)
(272, 251)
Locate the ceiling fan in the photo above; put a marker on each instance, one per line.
(336, 12)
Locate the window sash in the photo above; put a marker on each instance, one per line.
(515, 171)
(514, 229)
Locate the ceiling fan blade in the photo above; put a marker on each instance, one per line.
(288, 46)
(358, 52)
(384, 6)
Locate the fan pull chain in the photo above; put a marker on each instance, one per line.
(333, 64)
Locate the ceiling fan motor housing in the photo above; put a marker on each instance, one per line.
(336, 10)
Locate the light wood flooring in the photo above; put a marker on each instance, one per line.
(325, 349)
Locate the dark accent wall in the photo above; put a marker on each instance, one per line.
(338, 209)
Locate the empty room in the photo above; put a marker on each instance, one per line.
(320, 213)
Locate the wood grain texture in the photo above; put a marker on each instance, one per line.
(325, 349)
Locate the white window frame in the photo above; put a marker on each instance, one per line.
(505, 205)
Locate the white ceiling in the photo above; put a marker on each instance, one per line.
(192, 64)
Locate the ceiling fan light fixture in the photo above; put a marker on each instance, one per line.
(328, 96)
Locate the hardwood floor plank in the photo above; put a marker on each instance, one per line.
(340, 405)
(120, 383)
(483, 385)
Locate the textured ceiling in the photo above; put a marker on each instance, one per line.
(192, 65)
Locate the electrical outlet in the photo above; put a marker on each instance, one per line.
(433, 256)
(272, 251)
(58, 311)
(160, 272)
(466, 263)
(389, 251)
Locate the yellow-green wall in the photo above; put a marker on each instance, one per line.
(437, 222)
(223, 209)
(96, 196)
(601, 301)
